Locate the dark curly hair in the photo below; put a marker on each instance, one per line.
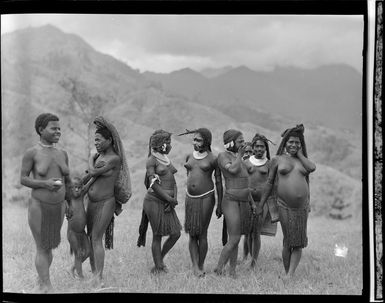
(43, 119)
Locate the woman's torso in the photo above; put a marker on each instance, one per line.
(237, 185)
(257, 179)
(103, 187)
(49, 163)
(292, 186)
(199, 178)
(166, 176)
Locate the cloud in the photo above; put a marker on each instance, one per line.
(167, 42)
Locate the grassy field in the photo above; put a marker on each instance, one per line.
(127, 267)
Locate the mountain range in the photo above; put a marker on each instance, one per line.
(45, 69)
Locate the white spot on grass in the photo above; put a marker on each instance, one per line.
(340, 250)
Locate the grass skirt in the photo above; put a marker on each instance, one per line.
(245, 214)
(50, 224)
(162, 223)
(294, 225)
(194, 219)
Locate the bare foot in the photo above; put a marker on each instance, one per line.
(253, 264)
(164, 267)
(219, 272)
(198, 273)
(157, 270)
(97, 282)
(285, 279)
(232, 273)
(46, 288)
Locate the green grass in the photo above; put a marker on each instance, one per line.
(127, 267)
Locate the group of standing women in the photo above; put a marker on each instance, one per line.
(45, 169)
(258, 193)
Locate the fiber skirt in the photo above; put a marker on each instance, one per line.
(51, 223)
(195, 218)
(294, 225)
(245, 213)
(162, 223)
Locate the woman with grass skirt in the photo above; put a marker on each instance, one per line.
(45, 170)
(200, 196)
(289, 177)
(160, 200)
(235, 203)
(258, 168)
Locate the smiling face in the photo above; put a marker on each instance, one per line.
(293, 144)
(101, 143)
(259, 149)
(51, 133)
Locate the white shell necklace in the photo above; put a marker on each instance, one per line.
(199, 156)
(46, 145)
(257, 162)
(162, 158)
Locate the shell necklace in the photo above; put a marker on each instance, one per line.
(257, 162)
(46, 145)
(162, 158)
(197, 155)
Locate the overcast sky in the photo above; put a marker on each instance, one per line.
(164, 43)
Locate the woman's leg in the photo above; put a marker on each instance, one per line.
(98, 229)
(256, 246)
(90, 213)
(232, 216)
(156, 253)
(43, 258)
(194, 253)
(207, 211)
(294, 260)
(233, 261)
(168, 244)
(246, 245)
(286, 254)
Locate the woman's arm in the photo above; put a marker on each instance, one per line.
(108, 166)
(219, 188)
(307, 164)
(26, 169)
(225, 163)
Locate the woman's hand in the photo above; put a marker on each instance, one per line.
(299, 152)
(258, 209)
(173, 202)
(254, 208)
(218, 212)
(242, 149)
(53, 184)
(68, 212)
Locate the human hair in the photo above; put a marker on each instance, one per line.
(206, 136)
(43, 119)
(157, 139)
(105, 132)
